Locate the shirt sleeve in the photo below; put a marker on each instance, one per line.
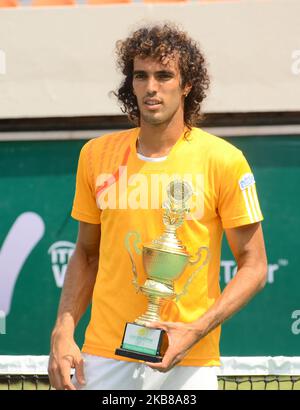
(238, 201)
(84, 205)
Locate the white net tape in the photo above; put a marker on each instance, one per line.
(231, 366)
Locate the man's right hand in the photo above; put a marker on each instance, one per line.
(64, 355)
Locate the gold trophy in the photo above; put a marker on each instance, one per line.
(164, 260)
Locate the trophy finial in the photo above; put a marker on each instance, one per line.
(179, 192)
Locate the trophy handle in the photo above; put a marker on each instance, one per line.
(193, 274)
(137, 250)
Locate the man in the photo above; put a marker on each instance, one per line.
(165, 81)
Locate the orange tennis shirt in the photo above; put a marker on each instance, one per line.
(122, 193)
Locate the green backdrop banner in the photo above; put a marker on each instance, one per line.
(37, 237)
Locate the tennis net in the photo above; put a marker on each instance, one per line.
(236, 373)
(259, 373)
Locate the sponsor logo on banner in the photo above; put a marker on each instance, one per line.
(229, 269)
(296, 324)
(23, 236)
(60, 253)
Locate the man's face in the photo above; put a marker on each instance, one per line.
(157, 88)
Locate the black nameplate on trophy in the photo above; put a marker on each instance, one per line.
(142, 343)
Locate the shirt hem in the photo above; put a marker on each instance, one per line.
(79, 216)
(234, 223)
(201, 361)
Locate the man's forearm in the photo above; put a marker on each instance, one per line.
(77, 291)
(246, 283)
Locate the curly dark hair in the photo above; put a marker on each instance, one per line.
(160, 41)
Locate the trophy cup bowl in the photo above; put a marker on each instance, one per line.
(156, 261)
(163, 267)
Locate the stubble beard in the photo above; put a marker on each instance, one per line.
(156, 120)
(151, 120)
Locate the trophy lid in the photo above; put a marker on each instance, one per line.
(168, 243)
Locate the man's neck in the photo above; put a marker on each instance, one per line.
(158, 140)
